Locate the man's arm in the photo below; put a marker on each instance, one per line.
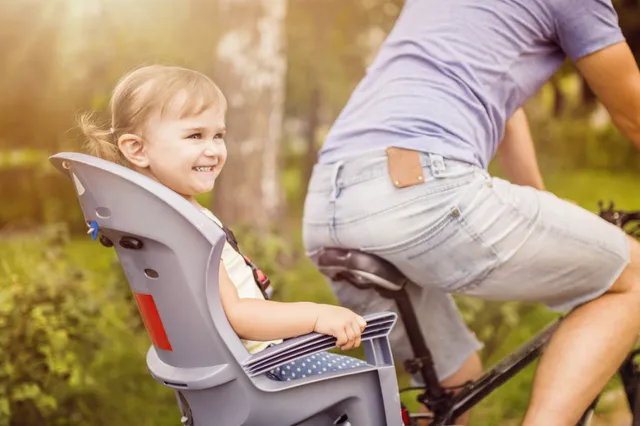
(612, 74)
(517, 155)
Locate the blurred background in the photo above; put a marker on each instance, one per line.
(71, 341)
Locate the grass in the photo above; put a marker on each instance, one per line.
(587, 187)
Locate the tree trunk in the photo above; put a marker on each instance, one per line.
(587, 96)
(250, 70)
(558, 98)
(313, 122)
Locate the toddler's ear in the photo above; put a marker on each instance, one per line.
(132, 147)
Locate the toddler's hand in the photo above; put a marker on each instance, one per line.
(341, 323)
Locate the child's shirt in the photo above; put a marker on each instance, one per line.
(242, 277)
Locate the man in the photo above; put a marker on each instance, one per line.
(402, 175)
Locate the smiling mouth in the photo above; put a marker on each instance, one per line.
(204, 168)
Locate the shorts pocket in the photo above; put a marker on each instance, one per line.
(449, 254)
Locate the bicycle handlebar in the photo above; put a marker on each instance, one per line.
(621, 218)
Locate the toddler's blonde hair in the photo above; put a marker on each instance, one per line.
(140, 93)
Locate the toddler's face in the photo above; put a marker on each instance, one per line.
(186, 154)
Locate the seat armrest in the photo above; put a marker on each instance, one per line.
(379, 325)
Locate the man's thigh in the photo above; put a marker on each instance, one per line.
(500, 241)
(445, 333)
(548, 250)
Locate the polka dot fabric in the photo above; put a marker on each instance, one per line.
(320, 363)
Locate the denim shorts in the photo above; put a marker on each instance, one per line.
(460, 232)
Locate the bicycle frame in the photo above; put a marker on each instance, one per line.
(500, 373)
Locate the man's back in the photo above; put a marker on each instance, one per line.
(444, 83)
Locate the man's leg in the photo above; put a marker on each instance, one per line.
(586, 351)
(470, 370)
(556, 253)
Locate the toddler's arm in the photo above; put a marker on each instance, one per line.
(262, 320)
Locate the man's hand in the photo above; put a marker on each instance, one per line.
(341, 323)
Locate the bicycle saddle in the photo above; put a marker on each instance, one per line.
(364, 270)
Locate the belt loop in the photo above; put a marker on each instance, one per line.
(334, 181)
(437, 164)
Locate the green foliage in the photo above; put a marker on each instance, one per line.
(587, 187)
(575, 143)
(71, 343)
(37, 194)
(329, 44)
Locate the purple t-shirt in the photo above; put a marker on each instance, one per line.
(453, 71)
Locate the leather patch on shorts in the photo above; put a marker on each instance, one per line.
(404, 167)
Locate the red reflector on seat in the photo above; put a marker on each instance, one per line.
(152, 321)
(406, 419)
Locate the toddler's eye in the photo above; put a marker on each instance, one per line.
(219, 136)
(195, 136)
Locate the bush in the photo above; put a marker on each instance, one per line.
(71, 343)
(574, 143)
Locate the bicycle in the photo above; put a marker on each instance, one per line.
(367, 271)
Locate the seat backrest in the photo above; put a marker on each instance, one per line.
(174, 275)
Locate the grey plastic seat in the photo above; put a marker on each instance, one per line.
(170, 253)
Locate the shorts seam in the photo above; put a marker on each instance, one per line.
(493, 253)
